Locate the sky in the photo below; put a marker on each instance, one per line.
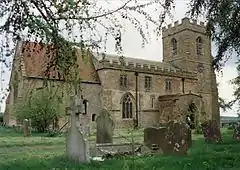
(153, 51)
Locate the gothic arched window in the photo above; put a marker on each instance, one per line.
(199, 46)
(174, 46)
(127, 107)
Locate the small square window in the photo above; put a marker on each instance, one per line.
(148, 82)
(123, 80)
(168, 85)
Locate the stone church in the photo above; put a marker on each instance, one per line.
(135, 91)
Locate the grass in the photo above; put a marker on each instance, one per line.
(43, 153)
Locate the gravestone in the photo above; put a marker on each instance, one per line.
(236, 132)
(178, 138)
(105, 127)
(175, 138)
(154, 138)
(26, 130)
(211, 131)
(77, 147)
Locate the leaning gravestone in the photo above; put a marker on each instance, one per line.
(105, 127)
(77, 147)
(236, 133)
(211, 131)
(175, 138)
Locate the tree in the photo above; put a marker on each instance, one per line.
(223, 24)
(223, 104)
(236, 83)
(53, 23)
(42, 108)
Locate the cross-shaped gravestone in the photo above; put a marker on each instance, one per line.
(77, 147)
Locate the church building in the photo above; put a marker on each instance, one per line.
(135, 91)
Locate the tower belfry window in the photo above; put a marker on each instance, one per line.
(174, 46)
(199, 46)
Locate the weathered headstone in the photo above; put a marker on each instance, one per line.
(154, 138)
(211, 131)
(175, 138)
(178, 138)
(105, 127)
(26, 128)
(236, 133)
(77, 147)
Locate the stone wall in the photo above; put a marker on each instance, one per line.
(113, 93)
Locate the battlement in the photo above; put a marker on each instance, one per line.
(158, 68)
(185, 23)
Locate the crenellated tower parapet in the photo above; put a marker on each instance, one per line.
(182, 25)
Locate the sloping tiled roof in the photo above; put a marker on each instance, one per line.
(36, 59)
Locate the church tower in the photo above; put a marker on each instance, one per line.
(188, 47)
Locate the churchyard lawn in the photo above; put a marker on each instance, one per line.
(47, 153)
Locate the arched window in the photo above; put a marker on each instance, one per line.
(174, 46)
(127, 107)
(199, 46)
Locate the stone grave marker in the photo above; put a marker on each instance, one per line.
(175, 138)
(105, 127)
(77, 147)
(178, 138)
(236, 132)
(211, 131)
(154, 138)
(26, 130)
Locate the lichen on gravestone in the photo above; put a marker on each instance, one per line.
(178, 138)
(105, 127)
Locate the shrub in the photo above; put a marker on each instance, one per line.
(53, 134)
(198, 130)
(41, 107)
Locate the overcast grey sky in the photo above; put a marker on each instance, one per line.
(153, 51)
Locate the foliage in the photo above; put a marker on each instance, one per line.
(223, 19)
(42, 108)
(53, 134)
(223, 104)
(48, 153)
(65, 24)
(236, 93)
